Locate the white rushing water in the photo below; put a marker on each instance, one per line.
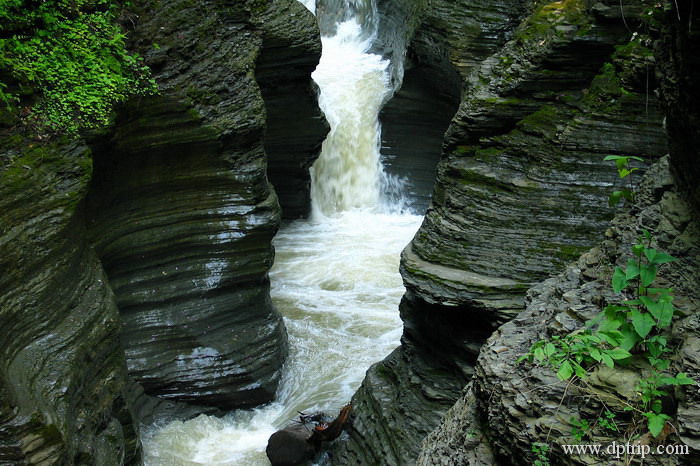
(335, 278)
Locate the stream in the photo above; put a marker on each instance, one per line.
(335, 279)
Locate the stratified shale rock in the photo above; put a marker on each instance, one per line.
(62, 367)
(296, 127)
(432, 48)
(521, 191)
(180, 210)
(510, 406)
(152, 239)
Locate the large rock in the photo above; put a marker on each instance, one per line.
(62, 367)
(296, 127)
(180, 209)
(521, 191)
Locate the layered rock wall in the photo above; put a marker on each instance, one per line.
(521, 191)
(508, 407)
(295, 125)
(152, 240)
(180, 208)
(62, 367)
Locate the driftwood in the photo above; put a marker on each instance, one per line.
(302, 440)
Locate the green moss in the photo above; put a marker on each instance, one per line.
(570, 252)
(543, 121)
(48, 166)
(605, 90)
(488, 153)
(465, 150)
(503, 100)
(541, 24)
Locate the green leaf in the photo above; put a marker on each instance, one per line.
(661, 308)
(595, 354)
(627, 194)
(613, 337)
(683, 379)
(632, 269)
(580, 371)
(607, 360)
(565, 371)
(656, 422)
(680, 379)
(619, 280)
(642, 322)
(614, 198)
(662, 258)
(539, 354)
(618, 353)
(549, 349)
(647, 274)
(637, 250)
(650, 254)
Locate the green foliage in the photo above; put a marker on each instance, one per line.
(624, 170)
(541, 451)
(634, 326)
(72, 54)
(581, 429)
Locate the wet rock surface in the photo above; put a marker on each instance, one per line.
(521, 190)
(180, 209)
(295, 125)
(150, 240)
(62, 366)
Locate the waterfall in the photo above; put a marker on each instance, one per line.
(335, 279)
(353, 85)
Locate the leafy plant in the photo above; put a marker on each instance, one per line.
(541, 451)
(624, 170)
(72, 54)
(634, 326)
(607, 421)
(581, 428)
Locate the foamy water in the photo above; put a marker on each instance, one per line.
(335, 278)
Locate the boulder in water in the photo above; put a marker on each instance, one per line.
(301, 440)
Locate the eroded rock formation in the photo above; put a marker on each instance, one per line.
(62, 367)
(180, 209)
(508, 406)
(152, 239)
(521, 191)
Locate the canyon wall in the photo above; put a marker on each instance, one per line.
(62, 367)
(508, 407)
(521, 191)
(152, 239)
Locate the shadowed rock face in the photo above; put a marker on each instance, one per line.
(429, 46)
(180, 209)
(295, 125)
(521, 191)
(678, 57)
(509, 406)
(413, 125)
(62, 368)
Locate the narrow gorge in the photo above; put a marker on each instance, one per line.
(301, 204)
